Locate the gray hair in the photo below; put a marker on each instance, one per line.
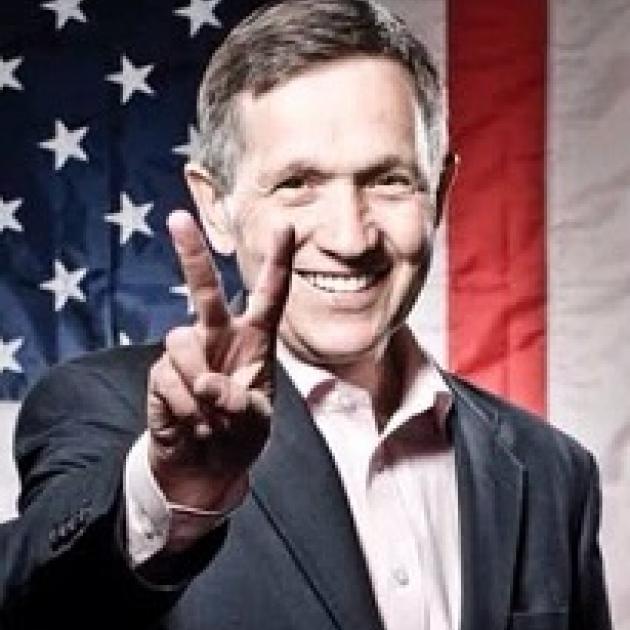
(282, 40)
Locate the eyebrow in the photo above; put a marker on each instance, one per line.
(298, 167)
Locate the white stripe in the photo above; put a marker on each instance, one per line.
(8, 476)
(589, 253)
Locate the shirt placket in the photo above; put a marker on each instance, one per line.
(400, 585)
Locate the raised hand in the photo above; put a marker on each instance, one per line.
(210, 394)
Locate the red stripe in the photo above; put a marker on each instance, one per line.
(496, 224)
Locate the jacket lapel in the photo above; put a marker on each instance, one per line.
(296, 484)
(490, 488)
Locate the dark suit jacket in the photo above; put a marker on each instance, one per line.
(288, 558)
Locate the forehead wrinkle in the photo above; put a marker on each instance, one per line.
(413, 136)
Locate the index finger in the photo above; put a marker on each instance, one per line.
(199, 271)
(267, 300)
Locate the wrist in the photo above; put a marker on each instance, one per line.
(192, 487)
(188, 523)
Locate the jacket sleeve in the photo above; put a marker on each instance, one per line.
(63, 559)
(591, 609)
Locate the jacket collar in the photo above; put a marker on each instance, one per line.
(295, 482)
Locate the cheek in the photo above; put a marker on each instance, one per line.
(409, 234)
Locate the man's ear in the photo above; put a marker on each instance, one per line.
(211, 208)
(447, 177)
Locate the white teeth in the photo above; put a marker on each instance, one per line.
(339, 284)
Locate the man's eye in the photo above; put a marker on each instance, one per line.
(395, 180)
(395, 183)
(292, 183)
(295, 190)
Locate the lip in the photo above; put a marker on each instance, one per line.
(345, 273)
(344, 300)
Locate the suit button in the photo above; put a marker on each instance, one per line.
(65, 529)
(82, 515)
(53, 536)
(57, 536)
(77, 521)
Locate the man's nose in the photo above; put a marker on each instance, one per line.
(345, 226)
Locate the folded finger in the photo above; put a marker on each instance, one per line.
(172, 407)
(186, 349)
(226, 395)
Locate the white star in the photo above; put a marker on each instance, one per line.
(131, 78)
(7, 355)
(193, 148)
(183, 289)
(7, 78)
(66, 144)
(130, 218)
(65, 10)
(7, 215)
(200, 12)
(65, 285)
(124, 339)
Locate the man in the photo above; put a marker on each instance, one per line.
(298, 461)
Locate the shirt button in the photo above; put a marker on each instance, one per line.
(401, 576)
(346, 403)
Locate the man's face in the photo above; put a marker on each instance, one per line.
(339, 152)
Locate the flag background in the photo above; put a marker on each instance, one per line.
(530, 288)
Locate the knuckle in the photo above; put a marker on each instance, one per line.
(206, 385)
(208, 297)
(176, 338)
(196, 258)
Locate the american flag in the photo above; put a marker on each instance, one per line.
(97, 118)
(530, 287)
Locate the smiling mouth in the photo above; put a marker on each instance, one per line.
(341, 283)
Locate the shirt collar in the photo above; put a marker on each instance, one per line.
(306, 377)
(424, 388)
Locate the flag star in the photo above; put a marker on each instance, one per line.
(193, 148)
(66, 144)
(124, 339)
(200, 12)
(130, 218)
(65, 285)
(7, 355)
(183, 289)
(131, 78)
(7, 215)
(65, 10)
(7, 76)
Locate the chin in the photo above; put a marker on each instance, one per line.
(335, 346)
